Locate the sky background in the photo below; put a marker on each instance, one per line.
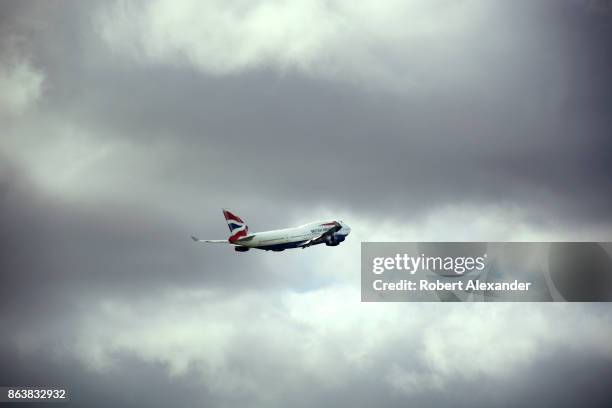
(126, 126)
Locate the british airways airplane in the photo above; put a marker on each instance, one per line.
(331, 233)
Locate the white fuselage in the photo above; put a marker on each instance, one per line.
(278, 240)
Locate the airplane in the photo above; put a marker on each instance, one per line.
(332, 233)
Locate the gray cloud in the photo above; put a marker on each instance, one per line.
(424, 122)
(527, 126)
(21, 83)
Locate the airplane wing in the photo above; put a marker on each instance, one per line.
(331, 231)
(210, 241)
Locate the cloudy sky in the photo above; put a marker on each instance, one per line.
(126, 126)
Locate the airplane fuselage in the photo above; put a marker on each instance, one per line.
(282, 239)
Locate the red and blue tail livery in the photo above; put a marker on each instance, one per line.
(330, 233)
(237, 227)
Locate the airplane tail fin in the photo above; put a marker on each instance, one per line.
(237, 226)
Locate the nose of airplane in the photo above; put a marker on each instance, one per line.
(345, 228)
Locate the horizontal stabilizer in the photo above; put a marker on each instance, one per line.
(210, 241)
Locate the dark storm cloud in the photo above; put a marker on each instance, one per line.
(140, 383)
(531, 128)
(149, 384)
(521, 119)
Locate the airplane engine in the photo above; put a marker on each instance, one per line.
(241, 249)
(334, 240)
